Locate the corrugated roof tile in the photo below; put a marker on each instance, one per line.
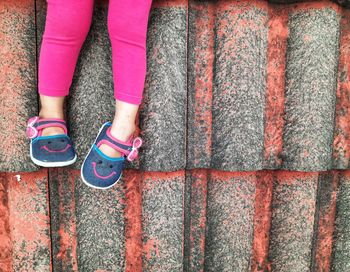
(292, 220)
(26, 220)
(163, 220)
(232, 87)
(17, 83)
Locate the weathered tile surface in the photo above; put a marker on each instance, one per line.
(18, 100)
(163, 113)
(27, 201)
(100, 227)
(63, 219)
(292, 221)
(239, 85)
(231, 85)
(162, 221)
(230, 217)
(311, 69)
(341, 249)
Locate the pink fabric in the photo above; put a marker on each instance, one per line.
(67, 25)
(98, 175)
(56, 151)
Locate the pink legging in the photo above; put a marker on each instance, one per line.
(67, 25)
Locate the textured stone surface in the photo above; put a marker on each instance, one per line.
(341, 249)
(200, 83)
(230, 215)
(133, 221)
(163, 113)
(6, 248)
(28, 205)
(262, 220)
(292, 221)
(18, 100)
(63, 219)
(324, 220)
(268, 85)
(312, 58)
(162, 221)
(344, 3)
(275, 86)
(341, 143)
(100, 227)
(195, 214)
(239, 85)
(239, 113)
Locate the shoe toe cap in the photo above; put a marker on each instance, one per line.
(100, 172)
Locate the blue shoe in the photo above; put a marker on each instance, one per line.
(100, 171)
(49, 151)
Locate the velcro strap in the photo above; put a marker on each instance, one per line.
(45, 123)
(115, 146)
(123, 147)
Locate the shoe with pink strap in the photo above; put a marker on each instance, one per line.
(50, 151)
(100, 171)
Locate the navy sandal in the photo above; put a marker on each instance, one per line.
(100, 171)
(49, 151)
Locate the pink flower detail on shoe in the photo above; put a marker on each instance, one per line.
(31, 131)
(137, 142)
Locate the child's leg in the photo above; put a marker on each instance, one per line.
(67, 25)
(127, 26)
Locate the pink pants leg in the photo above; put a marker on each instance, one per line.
(67, 25)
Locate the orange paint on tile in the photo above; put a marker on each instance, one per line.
(28, 203)
(341, 143)
(151, 248)
(6, 250)
(315, 5)
(219, 175)
(204, 58)
(68, 237)
(160, 176)
(276, 66)
(133, 218)
(169, 3)
(291, 177)
(198, 212)
(262, 221)
(324, 243)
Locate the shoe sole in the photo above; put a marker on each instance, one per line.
(81, 169)
(51, 164)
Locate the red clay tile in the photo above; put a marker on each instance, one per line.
(231, 85)
(6, 247)
(328, 184)
(292, 220)
(133, 221)
(262, 220)
(198, 180)
(200, 83)
(162, 220)
(341, 144)
(29, 220)
(341, 254)
(230, 220)
(63, 219)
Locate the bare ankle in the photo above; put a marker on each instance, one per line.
(123, 131)
(50, 114)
